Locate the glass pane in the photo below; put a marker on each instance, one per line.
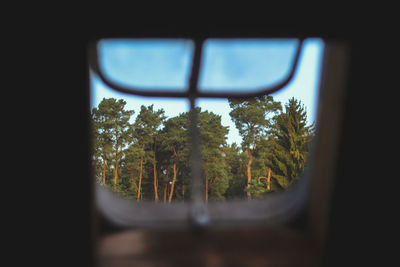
(154, 151)
(245, 64)
(147, 64)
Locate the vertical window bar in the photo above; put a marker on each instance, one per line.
(198, 212)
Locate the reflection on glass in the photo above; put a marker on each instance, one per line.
(245, 64)
(147, 64)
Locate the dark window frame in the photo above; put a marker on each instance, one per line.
(214, 214)
(193, 92)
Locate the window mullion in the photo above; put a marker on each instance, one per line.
(198, 212)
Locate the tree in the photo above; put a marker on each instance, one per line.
(235, 159)
(263, 182)
(212, 140)
(101, 143)
(252, 117)
(272, 156)
(292, 138)
(112, 127)
(175, 145)
(146, 129)
(129, 172)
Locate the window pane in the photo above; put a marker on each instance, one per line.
(147, 64)
(152, 150)
(245, 64)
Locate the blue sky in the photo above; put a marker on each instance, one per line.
(250, 64)
(304, 86)
(148, 64)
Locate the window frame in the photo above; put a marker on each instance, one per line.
(193, 91)
(197, 213)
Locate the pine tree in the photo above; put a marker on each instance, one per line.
(130, 172)
(212, 140)
(290, 144)
(252, 119)
(145, 160)
(174, 145)
(113, 131)
(235, 160)
(146, 129)
(102, 145)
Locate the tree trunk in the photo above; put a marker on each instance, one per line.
(155, 175)
(155, 181)
(171, 192)
(173, 185)
(116, 164)
(116, 171)
(269, 180)
(166, 186)
(165, 193)
(104, 170)
(183, 191)
(140, 173)
(116, 174)
(206, 190)
(249, 173)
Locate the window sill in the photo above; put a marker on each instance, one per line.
(281, 246)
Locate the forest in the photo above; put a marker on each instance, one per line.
(148, 159)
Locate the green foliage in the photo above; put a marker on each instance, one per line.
(147, 124)
(278, 140)
(212, 140)
(290, 144)
(252, 117)
(111, 131)
(236, 163)
(174, 139)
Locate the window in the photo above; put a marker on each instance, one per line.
(192, 71)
